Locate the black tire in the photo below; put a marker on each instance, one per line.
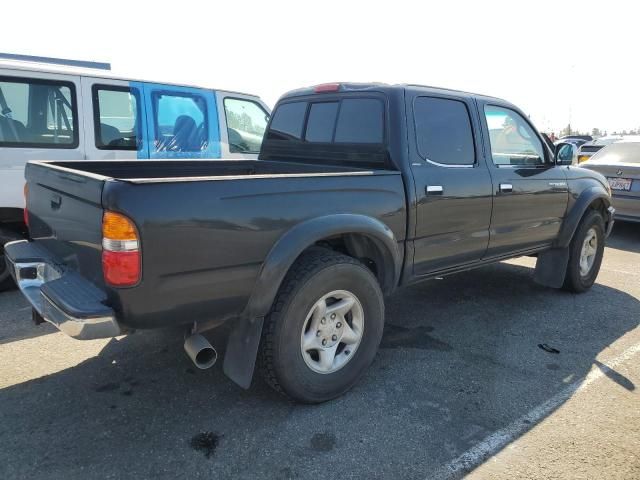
(315, 274)
(575, 280)
(6, 281)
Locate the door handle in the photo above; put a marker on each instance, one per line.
(434, 189)
(506, 188)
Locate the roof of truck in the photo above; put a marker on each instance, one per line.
(377, 86)
(28, 66)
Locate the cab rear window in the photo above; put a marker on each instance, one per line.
(346, 121)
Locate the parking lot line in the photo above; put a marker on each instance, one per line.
(501, 438)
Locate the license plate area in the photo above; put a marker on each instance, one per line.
(623, 184)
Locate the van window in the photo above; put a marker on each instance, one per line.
(361, 120)
(288, 121)
(180, 122)
(116, 115)
(246, 123)
(37, 113)
(443, 131)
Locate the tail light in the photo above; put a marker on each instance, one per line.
(120, 251)
(25, 212)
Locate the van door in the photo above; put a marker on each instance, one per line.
(39, 120)
(114, 119)
(182, 122)
(243, 120)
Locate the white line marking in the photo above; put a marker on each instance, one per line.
(499, 439)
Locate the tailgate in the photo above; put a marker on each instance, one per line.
(65, 216)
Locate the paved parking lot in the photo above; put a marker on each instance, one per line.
(460, 385)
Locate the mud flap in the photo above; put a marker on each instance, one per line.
(551, 267)
(242, 350)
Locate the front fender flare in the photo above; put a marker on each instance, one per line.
(572, 220)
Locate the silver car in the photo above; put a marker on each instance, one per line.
(620, 163)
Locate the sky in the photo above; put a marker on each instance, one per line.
(560, 61)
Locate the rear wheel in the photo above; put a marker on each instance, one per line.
(324, 328)
(6, 281)
(585, 253)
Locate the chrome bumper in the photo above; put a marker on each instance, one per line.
(47, 285)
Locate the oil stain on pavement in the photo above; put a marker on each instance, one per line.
(395, 336)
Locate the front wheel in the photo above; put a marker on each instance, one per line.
(324, 328)
(585, 253)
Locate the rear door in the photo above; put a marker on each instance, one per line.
(182, 122)
(243, 120)
(530, 192)
(453, 186)
(114, 119)
(39, 120)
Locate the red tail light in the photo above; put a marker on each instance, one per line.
(121, 257)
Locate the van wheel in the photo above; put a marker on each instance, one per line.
(6, 281)
(585, 253)
(324, 328)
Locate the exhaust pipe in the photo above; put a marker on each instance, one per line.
(200, 351)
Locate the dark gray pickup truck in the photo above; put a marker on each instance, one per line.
(359, 189)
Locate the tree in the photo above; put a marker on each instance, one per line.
(566, 130)
(596, 132)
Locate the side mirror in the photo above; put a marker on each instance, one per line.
(565, 153)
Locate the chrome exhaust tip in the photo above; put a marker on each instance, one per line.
(200, 351)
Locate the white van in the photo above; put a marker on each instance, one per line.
(50, 110)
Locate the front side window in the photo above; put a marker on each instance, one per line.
(116, 118)
(246, 123)
(443, 131)
(513, 141)
(37, 113)
(180, 122)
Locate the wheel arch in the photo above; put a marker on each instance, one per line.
(594, 198)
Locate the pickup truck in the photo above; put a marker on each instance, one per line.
(358, 189)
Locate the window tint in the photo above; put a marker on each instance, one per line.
(180, 122)
(443, 131)
(361, 120)
(322, 120)
(37, 113)
(115, 112)
(288, 120)
(246, 123)
(513, 141)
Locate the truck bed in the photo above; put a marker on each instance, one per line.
(172, 170)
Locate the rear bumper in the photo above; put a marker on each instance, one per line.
(62, 297)
(627, 208)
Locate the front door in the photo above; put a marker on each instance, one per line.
(453, 186)
(531, 193)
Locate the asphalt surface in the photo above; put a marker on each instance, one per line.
(460, 386)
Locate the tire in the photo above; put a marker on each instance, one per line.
(580, 277)
(321, 281)
(6, 281)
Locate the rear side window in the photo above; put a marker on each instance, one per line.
(288, 121)
(37, 113)
(443, 131)
(361, 120)
(180, 122)
(116, 117)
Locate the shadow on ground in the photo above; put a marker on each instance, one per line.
(459, 360)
